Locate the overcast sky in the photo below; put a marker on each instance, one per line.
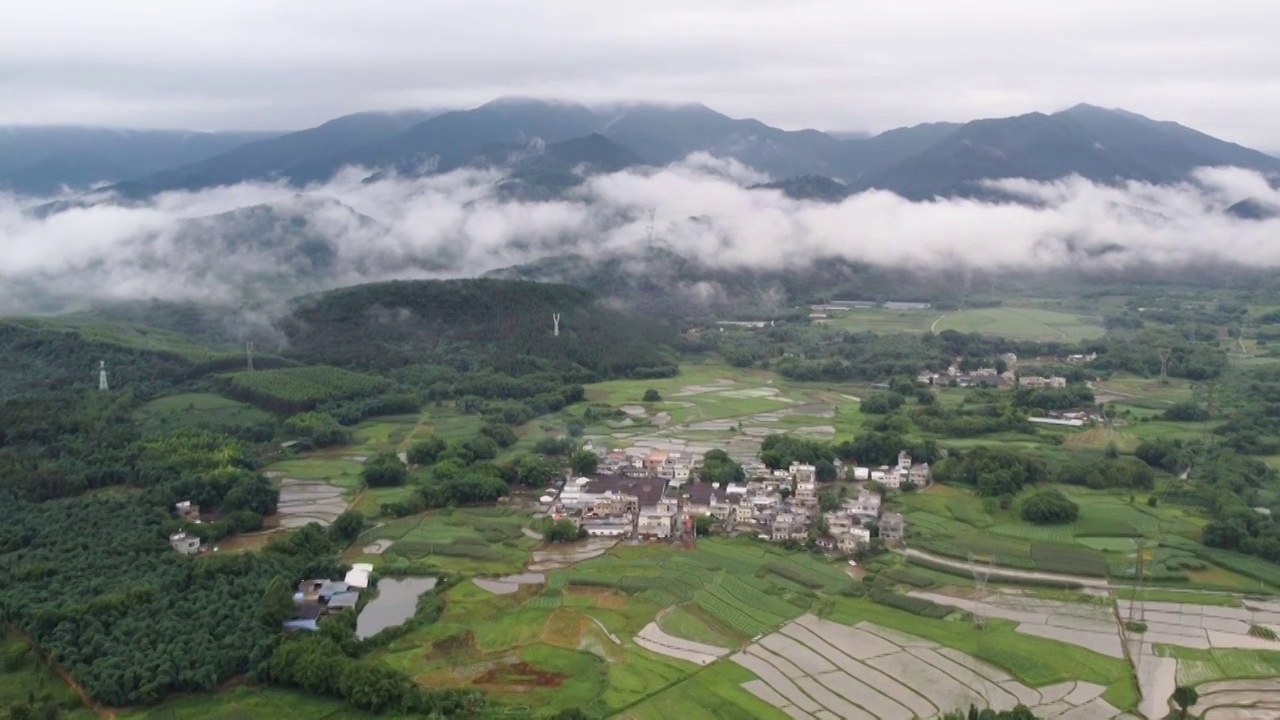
(830, 64)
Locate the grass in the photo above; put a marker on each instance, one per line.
(34, 678)
(250, 701)
(1178, 596)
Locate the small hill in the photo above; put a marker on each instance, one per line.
(810, 187)
(1254, 209)
(550, 171)
(506, 323)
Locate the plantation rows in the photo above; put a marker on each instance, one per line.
(731, 615)
(301, 388)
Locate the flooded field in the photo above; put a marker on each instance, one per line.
(509, 584)
(397, 599)
(308, 501)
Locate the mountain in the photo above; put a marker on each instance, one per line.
(860, 157)
(1094, 143)
(271, 157)
(664, 134)
(454, 139)
(40, 159)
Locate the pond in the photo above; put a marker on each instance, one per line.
(396, 601)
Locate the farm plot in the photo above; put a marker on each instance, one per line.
(1202, 626)
(1089, 626)
(814, 668)
(1238, 700)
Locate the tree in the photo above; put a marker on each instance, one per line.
(828, 501)
(651, 396)
(702, 526)
(277, 603)
(825, 471)
(386, 470)
(347, 526)
(503, 435)
(717, 467)
(1185, 696)
(564, 531)
(427, 450)
(584, 462)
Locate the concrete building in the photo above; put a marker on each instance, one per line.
(188, 511)
(893, 527)
(184, 543)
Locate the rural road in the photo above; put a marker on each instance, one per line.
(934, 327)
(998, 572)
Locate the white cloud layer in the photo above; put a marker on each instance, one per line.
(271, 241)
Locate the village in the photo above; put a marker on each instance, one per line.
(653, 496)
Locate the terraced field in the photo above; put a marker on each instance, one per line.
(813, 668)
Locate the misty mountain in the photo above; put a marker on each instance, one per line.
(545, 172)
(455, 139)
(1094, 143)
(665, 134)
(860, 157)
(271, 157)
(39, 160)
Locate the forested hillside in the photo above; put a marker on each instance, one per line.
(505, 325)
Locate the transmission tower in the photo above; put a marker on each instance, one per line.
(248, 351)
(555, 320)
(981, 566)
(1142, 557)
(1164, 365)
(102, 375)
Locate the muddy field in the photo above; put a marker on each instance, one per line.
(308, 501)
(814, 668)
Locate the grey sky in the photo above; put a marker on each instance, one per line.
(831, 64)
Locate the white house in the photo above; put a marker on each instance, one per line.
(184, 543)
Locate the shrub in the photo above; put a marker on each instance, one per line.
(907, 577)
(652, 395)
(1135, 626)
(1049, 507)
(1262, 631)
(913, 605)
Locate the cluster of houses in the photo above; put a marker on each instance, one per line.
(648, 497)
(181, 541)
(319, 597)
(992, 377)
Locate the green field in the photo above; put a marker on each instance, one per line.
(204, 410)
(1201, 666)
(470, 540)
(953, 521)
(1021, 324)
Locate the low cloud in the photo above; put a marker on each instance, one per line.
(267, 242)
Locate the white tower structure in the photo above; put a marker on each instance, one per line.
(248, 351)
(555, 318)
(102, 374)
